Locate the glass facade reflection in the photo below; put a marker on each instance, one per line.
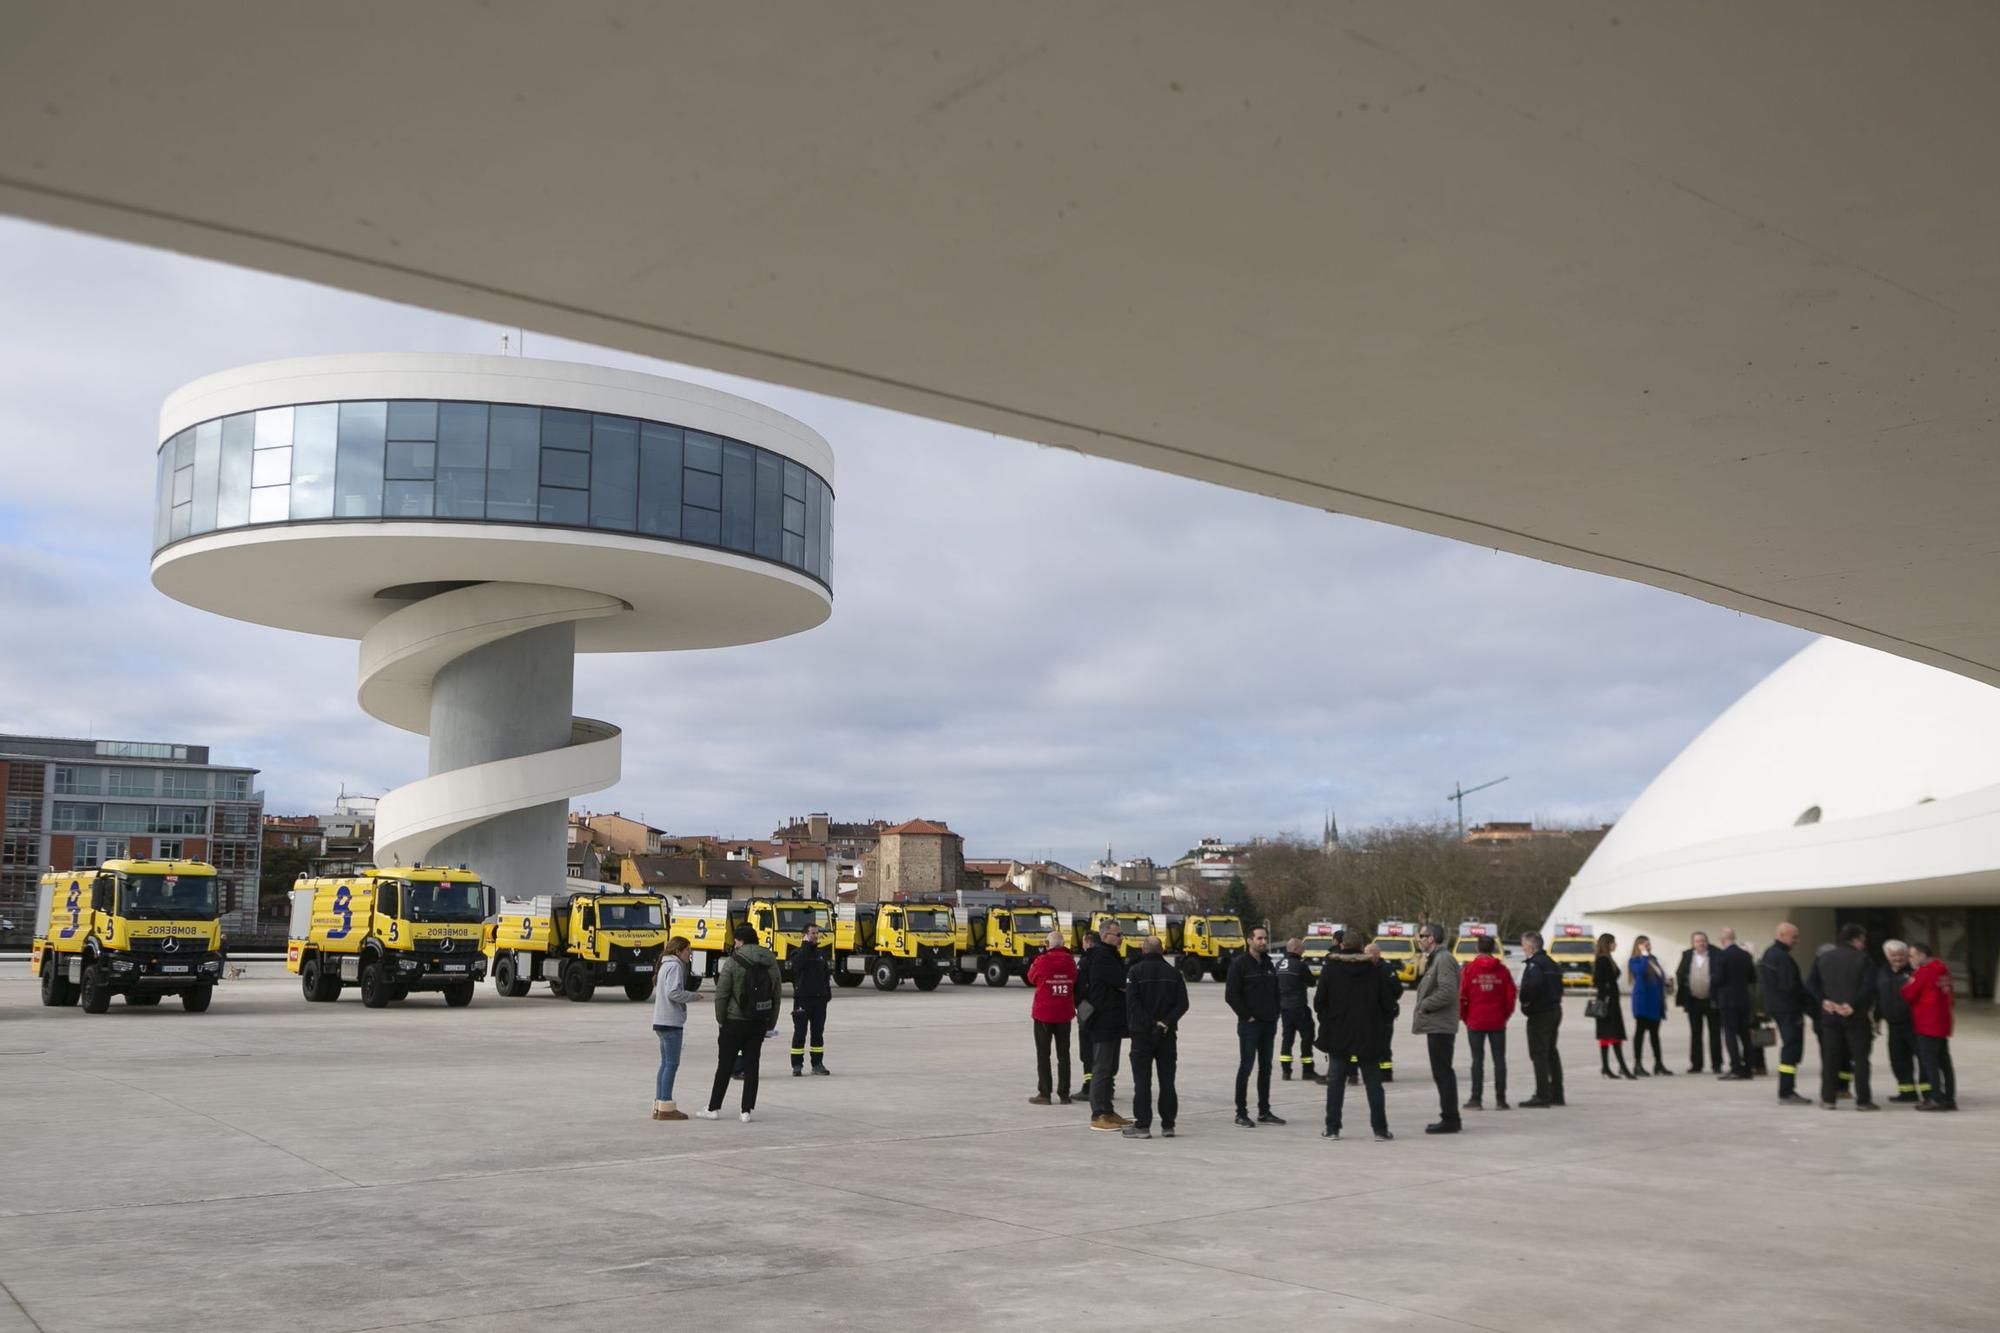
(492, 463)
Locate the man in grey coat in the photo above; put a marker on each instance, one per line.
(1437, 1021)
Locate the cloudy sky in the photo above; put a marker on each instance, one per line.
(1052, 652)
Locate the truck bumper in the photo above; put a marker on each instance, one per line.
(165, 972)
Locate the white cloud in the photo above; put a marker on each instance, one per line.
(1049, 650)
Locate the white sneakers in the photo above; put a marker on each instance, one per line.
(706, 1114)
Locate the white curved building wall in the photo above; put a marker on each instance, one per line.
(1901, 761)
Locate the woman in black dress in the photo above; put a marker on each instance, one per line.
(1610, 1010)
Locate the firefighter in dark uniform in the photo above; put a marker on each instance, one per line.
(812, 987)
(1788, 1003)
(1295, 1012)
(1847, 1017)
(1895, 1016)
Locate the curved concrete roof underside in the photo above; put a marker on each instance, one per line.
(1702, 296)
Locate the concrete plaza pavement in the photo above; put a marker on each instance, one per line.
(275, 1165)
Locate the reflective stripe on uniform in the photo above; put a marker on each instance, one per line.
(1846, 1076)
(798, 1050)
(1788, 1069)
(1284, 1059)
(816, 1050)
(1906, 1087)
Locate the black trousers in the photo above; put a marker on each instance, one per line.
(1641, 1029)
(1791, 1045)
(1542, 1053)
(1903, 1057)
(1442, 1046)
(1046, 1035)
(809, 1016)
(1702, 1013)
(1935, 1052)
(1296, 1023)
(737, 1039)
(1736, 1039)
(1254, 1039)
(1104, 1074)
(1154, 1056)
(1844, 1043)
(1371, 1080)
(1482, 1042)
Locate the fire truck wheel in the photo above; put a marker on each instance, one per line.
(376, 989)
(639, 991)
(142, 999)
(1191, 968)
(57, 992)
(996, 972)
(458, 994)
(96, 993)
(577, 982)
(847, 980)
(195, 998)
(961, 977)
(885, 977)
(928, 981)
(507, 978)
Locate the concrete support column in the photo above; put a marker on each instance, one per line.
(506, 699)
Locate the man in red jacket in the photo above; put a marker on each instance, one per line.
(1485, 1000)
(1053, 975)
(1928, 993)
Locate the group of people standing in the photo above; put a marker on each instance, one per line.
(1350, 1016)
(1844, 999)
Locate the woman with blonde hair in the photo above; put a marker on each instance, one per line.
(1610, 1010)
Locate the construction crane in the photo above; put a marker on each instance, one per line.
(1458, 795)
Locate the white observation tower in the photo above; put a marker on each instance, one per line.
(475, 522)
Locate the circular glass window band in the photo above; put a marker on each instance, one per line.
(492, 463)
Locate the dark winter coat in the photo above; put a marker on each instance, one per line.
(1356, 1003)
(1100, 983)
(1252, 988)
(1155, 993)
(1784, 989)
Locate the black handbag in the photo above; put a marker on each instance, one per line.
(1764, 1036)
(1594, 1009)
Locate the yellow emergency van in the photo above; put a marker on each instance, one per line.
(576, 942)
(1203, 943)
(137, 928)
(998, 935)
(391, 932)
(1574, 950)
(1465, 945)
(1397, 941)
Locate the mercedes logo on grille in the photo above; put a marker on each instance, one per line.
(170, 945)
(445, 946)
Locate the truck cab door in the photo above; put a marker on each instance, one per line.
(586, 925)
(389, 913)
(104, 909)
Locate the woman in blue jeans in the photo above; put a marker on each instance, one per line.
(670, 1016)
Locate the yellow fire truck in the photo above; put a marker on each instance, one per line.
(780, 924)
(1205, 943)
(137, 928)
(576, 942)
(998, 935)
(390, 931)
(1134, 927)
(909, 939)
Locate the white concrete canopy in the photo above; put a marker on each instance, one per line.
(1703, 295)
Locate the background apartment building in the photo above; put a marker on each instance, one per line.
(75, 804)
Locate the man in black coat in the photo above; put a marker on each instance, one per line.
(1356, 1001)
(1694, 991)
(812, 987)
(1787, 1002)
(1295, 1013)
(1847, 1022)
(1735, 973)
(1895, 1015)
(1251, 990)
(1100, 981)
(1156, 998)
(1541, 1003)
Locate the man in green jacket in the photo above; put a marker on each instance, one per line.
(1437, 1021)
(746, 1011)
